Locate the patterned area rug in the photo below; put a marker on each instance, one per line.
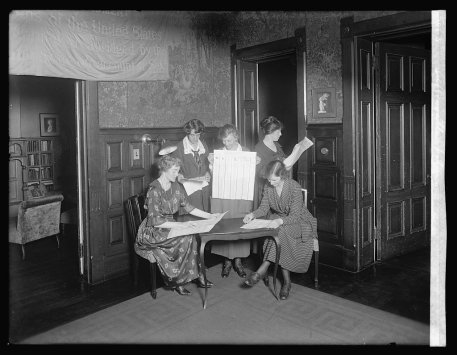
(238, 315)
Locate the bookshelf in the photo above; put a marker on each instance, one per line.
(37, 157)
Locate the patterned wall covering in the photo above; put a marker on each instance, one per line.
(199, 85)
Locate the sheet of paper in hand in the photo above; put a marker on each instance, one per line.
(234, 175)
(298, 150)
(192, 185)
(258, 223)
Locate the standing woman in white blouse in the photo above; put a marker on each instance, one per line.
(193, 153)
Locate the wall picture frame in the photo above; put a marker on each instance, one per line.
(324, 105)
(49, 124)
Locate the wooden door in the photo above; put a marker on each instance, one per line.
(365, 156)
(247, 103)
(404, 125)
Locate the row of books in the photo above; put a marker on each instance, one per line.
(34, 173)
(34, 145)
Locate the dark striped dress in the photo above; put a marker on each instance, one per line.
(299, 228)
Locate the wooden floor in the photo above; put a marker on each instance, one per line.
(45, 290)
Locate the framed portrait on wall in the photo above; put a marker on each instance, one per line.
(324, 106)
(49, 124)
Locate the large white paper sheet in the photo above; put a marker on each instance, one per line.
(234, 175)
(200, 226)
(258, 223)
(298, 150)
(192, 185)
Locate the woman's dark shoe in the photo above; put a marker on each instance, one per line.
(238, 267)
(252, 279)
(182, 291)
(285, 289)
(200, 281)
(226, 267)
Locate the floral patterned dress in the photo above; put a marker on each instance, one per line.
(177, 257)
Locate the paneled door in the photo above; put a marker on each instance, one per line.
(403, 126)
(366, 152)
(247, 100)
(127, 171)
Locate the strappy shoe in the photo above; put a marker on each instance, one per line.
(252, 279)
(226, 267)
(285, 290)
(182, 291)
(200, 281)
(238, 267)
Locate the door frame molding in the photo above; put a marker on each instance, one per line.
(386, 26)
(266, 51)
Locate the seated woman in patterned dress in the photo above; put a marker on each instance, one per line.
(177, 257)
(283, 200)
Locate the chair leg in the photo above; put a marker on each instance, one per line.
(153, 267)
(23, 251)
(58, 241)
(136, 265)
(316, 268)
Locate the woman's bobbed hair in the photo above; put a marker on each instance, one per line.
(226, 130)
(276, 168)
(167, 161)
(194, 124)
(270, 124)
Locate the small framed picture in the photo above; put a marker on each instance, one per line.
(49, 124)
(324, 106)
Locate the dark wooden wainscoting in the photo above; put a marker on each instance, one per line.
(325, 192)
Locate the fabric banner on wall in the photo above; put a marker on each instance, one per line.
(91, 45)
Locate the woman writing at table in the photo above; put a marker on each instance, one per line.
(194, 156)
(177, 257)
(283, 201)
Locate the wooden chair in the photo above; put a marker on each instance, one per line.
(134, 208)
(316, 245)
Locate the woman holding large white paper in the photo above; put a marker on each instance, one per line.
(231, 251)
(177, 257)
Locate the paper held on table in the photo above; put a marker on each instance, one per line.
(258, 223)
(299, 148)
(200, 226)
(192, 185)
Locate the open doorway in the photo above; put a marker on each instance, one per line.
(265, 84)
(277, 79)
(49, 269)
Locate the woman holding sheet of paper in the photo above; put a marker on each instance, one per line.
(282, 201)
(177, 257)
(193, 153)
(235, 250)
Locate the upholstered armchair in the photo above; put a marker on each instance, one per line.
(37, 218)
